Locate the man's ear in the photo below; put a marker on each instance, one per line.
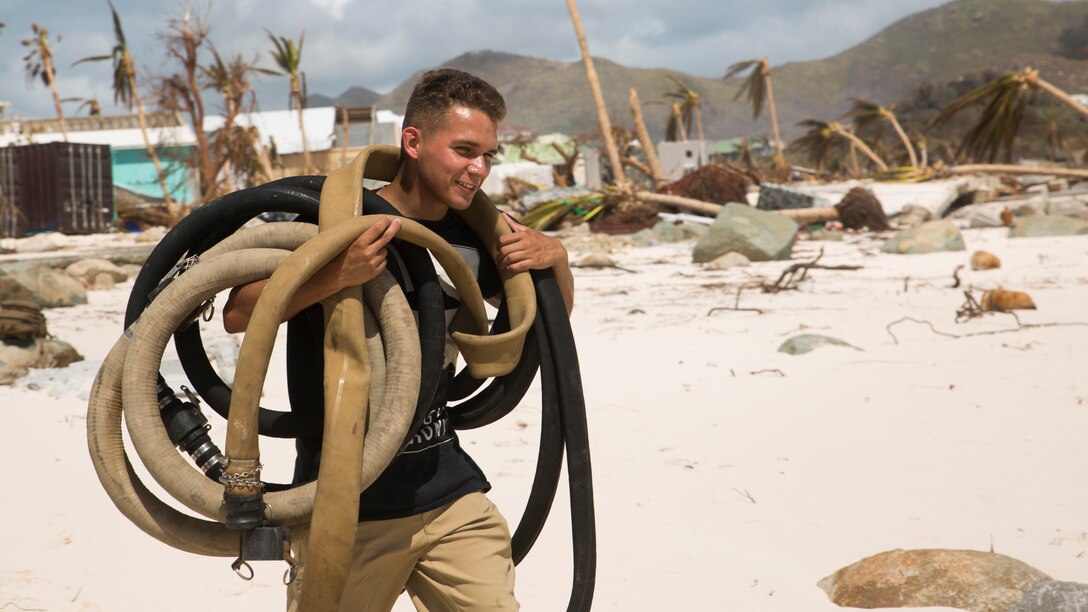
(411, 139)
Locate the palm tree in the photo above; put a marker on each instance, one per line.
(127, 92)
(822, 141)
(691, 106)
(759, 89)
(644, 137)
(288, 57)
(598, 98)
(1000, 120)
(237, 149)
(39, 63)
(867, 113)
(675, 130)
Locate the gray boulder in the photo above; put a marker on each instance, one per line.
(966, 579)
(758, 235)
(87, 270)
(928, 237)
(806, 343)
(1034, 226)
(18, 356)
(777, 197)
(1054, 596)
(913, 215)
(51, 288)
(668, 231)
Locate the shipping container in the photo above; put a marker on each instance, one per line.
(64, 187)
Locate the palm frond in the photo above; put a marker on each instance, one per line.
(754, 85)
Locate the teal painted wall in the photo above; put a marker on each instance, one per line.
(133, 169)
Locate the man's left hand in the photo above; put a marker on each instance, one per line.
(527, 249)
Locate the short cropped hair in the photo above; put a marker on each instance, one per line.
(440, 90)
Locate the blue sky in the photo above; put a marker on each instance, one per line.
(379, 44)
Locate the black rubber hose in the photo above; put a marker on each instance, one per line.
(549, 462)
(576, 434)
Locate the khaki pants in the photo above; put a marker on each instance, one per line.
(455, 557)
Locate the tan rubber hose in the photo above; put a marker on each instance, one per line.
(152, 333)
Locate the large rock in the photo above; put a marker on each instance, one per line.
(87, 270)
(966, 579)
(1054, 596)
(926, 238)
(778, 197)
(51, 288)
(1034, 226)
(758, 235)
(18, 356)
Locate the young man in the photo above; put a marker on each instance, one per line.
(425, 523)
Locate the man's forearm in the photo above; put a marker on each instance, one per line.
(242, 300)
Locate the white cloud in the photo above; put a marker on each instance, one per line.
(335, 8)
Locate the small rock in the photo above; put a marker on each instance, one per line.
(131, 270)
(1002, 300)
(987, 216)
(18, 356)
(151, 234)
(668, 231)
(1069, 208)
(51, 288)
(758, 235)
(87, 270)
(1054, 596)
(926, 238)
(729, 260)
(805, 343)
(41, 243)
(967, 579)
(777, 197)
(828, 235)
(1034, 226)
(913, 215)
(981, 260)
(596, 260)
(103, 281)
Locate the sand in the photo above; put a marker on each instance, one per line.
(728, 476)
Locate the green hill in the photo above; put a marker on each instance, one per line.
(941, 45)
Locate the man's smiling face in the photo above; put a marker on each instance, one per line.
(455, 156)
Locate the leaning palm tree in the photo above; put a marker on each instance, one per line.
(598, 98)
(997, 125)
(674, 130)
(127, 93)
(39, 63)
(823, 137)
(691, 106)
(866, 113)
(759, 89)
(288, 57)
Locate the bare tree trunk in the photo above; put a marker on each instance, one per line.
(864, 148)
(699, 123)
(779, 156)
(1012, 169)
(47, 64)
(598, 99)
(906, 141)
(808, 216)
(296, 93)
(172, 209)
(855, 169)
(344, 145)
(1061, 95)
(698, 206)
(656, 171)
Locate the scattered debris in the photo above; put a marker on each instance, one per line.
(780, 197)
(794, 274)
(928, 237)
(710, 183)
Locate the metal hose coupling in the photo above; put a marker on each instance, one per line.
(243, 494)
(188, 430)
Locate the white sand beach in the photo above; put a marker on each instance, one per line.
(727, 475)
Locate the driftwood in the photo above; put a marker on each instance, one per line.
(793, 275)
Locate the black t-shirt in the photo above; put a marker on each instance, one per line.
(433, 469)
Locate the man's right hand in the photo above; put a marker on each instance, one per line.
(365, 258)
(362, 261)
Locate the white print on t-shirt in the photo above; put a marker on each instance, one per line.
(434, 431)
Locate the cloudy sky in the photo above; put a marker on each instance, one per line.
(378, 44)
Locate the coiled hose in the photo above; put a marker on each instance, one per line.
(203, 239)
